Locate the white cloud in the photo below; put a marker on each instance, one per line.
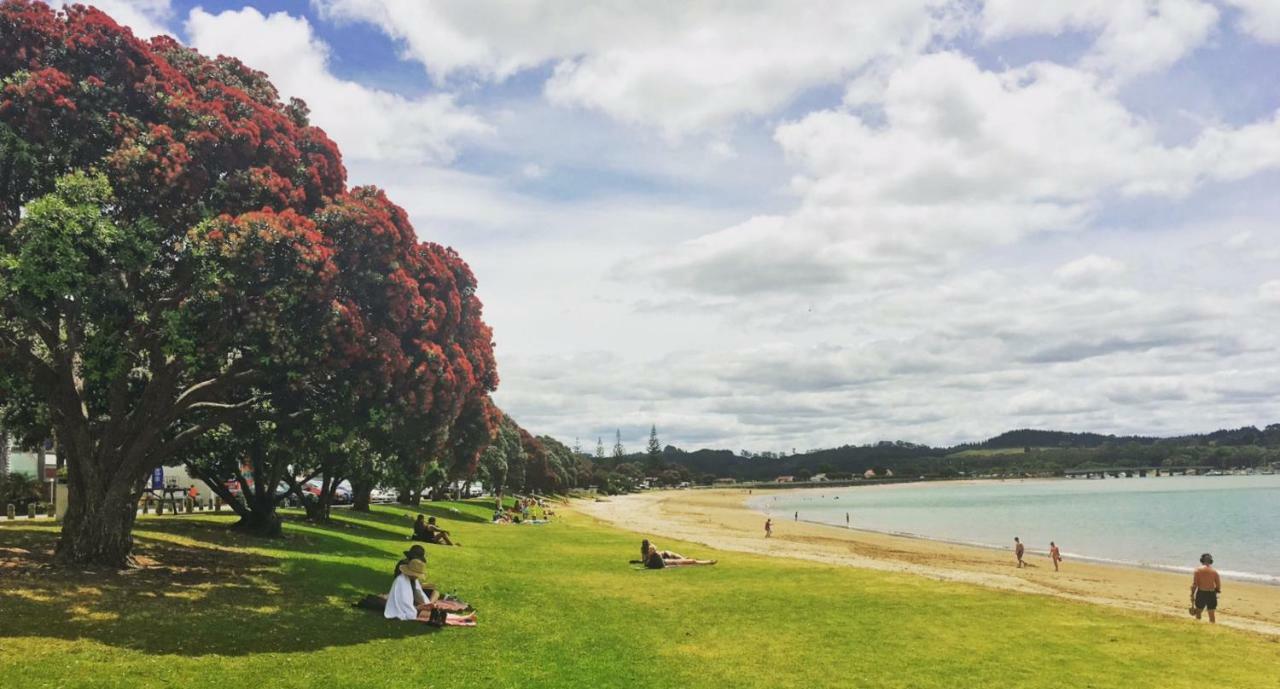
(1239, 240)
(953, 159)
(1133, 36)
(1259, 18)
(682, 67)
(366, 122)
(1089, 270)
(1269, 292)
(146, 18)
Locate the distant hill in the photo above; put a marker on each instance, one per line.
(1022, 451)
(1028, 437)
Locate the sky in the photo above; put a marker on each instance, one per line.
(778, 225)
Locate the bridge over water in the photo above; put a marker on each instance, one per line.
(1141, 472)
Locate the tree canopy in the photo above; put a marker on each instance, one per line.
(179, 253)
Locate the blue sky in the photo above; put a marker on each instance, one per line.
(779, 225)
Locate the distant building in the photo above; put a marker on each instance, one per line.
(818, 477)
(725, 481)
(869, 473)
(785, 479)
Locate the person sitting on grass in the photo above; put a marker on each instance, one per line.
(416, 552)
(428, 532)
(654, 560)
(407, 600)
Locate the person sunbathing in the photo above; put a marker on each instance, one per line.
(656, 561)
(407, 600)
(666, 554)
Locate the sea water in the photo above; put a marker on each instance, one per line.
(1161, 522)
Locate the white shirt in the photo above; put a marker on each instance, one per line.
(400, 601)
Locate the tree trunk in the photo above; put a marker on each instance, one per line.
(261, 519)
(318, 509)
(98, 527)
(361, 495)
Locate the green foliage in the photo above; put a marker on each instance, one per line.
(18, 489)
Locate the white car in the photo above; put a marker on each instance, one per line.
(382, 495)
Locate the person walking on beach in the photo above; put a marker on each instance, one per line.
(797, 516)
(846, 520)
(1019, 550)
(768, 528)
(1205, 587)
(1054, 555)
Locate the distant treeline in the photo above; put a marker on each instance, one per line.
(1024, 451)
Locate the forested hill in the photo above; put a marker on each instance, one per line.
(1023, 451)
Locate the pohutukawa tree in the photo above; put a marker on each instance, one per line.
(178, 254)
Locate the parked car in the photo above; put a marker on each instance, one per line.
(341, 495)
(383, 495)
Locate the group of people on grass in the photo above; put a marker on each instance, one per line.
(429, 532)
(522, 512)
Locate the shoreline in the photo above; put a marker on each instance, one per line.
(1242, 577)
(755, 503)
(720, 518)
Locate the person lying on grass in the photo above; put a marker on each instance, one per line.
(407, 600)
(666, 554)
(430, 533)
(656, 561)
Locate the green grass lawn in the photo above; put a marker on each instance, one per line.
(559, 607)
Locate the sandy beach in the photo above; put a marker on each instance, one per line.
(721, 519)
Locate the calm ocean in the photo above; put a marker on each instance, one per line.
(1161, 522)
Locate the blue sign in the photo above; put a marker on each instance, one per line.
(157, 478)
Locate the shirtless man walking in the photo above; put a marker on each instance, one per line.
(1018, 550)
(1054, 555)
(1205, 587)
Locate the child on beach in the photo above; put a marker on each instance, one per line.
(1018, 550)
(1205, 587)
(1054, 555)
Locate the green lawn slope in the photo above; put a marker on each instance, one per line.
(559, 607)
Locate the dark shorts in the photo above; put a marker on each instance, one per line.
(1206, 599)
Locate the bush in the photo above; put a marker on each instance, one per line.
(18, 490)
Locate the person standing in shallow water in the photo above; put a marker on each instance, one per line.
(1205, 587)
(1054, 555)
(1019, 550)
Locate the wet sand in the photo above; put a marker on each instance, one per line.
(721, 519)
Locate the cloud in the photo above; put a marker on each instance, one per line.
(1089, 270)
(1133, 36)
(146, 18)
(366, 122)
(680, 67)
(1269, 292)
(1259, 18)
(954, 159)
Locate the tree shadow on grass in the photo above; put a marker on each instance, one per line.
(197, 599)
(403, 515)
